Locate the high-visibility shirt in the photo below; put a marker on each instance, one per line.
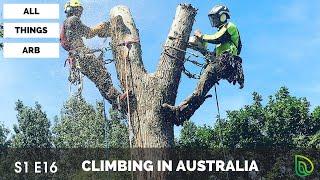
(227, 39)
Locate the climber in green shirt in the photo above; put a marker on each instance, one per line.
(223, 63)
(227, 38)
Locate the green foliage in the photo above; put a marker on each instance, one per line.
(3, 135)
(280, 170)
(312, 141)
(315, 121)
(193, 136)
(80, 125)
(187, 134)
(33, 129)
(286, 118)
(117, 130)
(284, 121)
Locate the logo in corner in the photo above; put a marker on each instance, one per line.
(303, 166)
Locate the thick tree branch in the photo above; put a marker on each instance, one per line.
(171, 62)
(224, 67)
(188, 107)
(126, 46)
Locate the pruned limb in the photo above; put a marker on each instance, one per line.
(172, 58)
(126, 46)
(224, 67)
(188, 107)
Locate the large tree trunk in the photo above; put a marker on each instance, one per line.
(152, 126)
(150, 98)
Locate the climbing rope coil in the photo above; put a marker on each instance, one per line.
(75, 77)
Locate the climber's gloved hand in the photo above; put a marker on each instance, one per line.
(198, 34)
(103, 30)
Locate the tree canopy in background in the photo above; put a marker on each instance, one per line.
(285, 121)
(80, 125)
(33, 129)
(3, 135)
(117, 130)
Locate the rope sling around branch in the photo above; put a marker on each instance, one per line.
(196, 63)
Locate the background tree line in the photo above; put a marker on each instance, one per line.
(79, 124)
(285, 126)
(284, 121)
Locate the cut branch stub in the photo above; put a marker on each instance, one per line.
(172, 58)
(126, 41)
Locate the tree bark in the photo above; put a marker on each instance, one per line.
(152, 95)
(152, 125)
(225, 66)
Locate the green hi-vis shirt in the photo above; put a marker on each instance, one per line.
(227, 39)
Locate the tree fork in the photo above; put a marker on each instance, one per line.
(152, 126)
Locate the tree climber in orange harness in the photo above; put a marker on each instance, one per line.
(72, 32)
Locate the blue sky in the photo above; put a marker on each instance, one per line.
(281, 42)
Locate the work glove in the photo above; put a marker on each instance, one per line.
(103, 30)
(99, 30)
(198, 34)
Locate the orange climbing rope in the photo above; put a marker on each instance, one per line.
(128, 44)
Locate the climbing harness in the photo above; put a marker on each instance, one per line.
(75, 76)
(230, 64)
